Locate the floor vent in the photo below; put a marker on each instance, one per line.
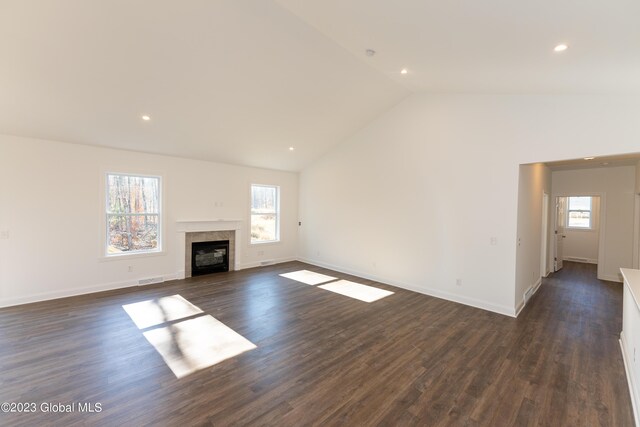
(150, 281)
(528, 294)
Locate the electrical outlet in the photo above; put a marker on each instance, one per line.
(494, 241)
(4, 235)
(458, 282)
(130, 269)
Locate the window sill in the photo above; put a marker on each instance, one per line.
(579, 229)
(124, 256)
(270, 242)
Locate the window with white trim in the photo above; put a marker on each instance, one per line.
(133, 217)
(265, 213)
(579, 212)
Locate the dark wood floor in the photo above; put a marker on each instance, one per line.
(326, 359)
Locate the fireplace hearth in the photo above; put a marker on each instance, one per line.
(209, 257)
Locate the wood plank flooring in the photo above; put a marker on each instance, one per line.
(327, 359)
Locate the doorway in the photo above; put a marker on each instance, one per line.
(544, 258)
(578, 232)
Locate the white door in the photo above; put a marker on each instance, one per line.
(544, 254)
(561, 209)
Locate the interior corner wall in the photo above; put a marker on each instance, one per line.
(51, 209)
(415, 198)
(534, 181)
(616, 185)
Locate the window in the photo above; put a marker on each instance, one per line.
(132, 214)
(265, 213)
(579, 212)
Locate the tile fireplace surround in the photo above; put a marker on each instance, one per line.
(204, 231)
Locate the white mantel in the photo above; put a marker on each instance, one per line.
(194, 226)
(208, 225)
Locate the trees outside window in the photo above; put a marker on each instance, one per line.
(133, 214)
(265, 213)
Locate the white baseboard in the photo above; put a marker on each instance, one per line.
(523, 303)
(269, 261)
(473, 302)
(579, 259)
(633, 387)
(610, 278)
(46, 296)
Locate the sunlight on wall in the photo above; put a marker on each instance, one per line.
(185, 345)
(308, 277)
(195, 344)
(156, 311)
(356, 290)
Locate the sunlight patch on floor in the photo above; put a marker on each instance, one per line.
(160, 310)
(308, 277)
(195, 344)
(356, 290)
(185, 345)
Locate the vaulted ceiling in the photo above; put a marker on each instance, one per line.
(241, 81)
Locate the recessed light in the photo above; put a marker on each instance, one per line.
(292, 148)
(146, 118)
(589, 158)
(560, 48)
(404, 71)
(369, 52)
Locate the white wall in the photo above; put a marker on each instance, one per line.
(534, 180)
(636, 231)
(582, 245)
(51, 206)
(415, 197)
(616, 186)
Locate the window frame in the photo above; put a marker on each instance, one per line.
(569, 210)
(105, 218)
(277, 214)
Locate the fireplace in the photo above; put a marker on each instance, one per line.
(209, 257)
(190, 232)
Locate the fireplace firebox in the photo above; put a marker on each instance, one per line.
(209, 257)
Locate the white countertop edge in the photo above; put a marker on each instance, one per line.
(632, 281)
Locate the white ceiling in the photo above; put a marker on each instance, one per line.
(239, 81)
(234, 81)
(597, 162)
(497, 46)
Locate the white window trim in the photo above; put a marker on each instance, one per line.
(265, 242)
(104, 254)
(590, 210)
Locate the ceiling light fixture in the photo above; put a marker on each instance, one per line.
(146, 118)
(292, 148)
(560, 48)
(589, 158)
(404, 71)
